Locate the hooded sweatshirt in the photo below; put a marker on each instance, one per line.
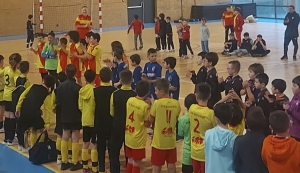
(86, 104)
(218, 150)
(281, 155)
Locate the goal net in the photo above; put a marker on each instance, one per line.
(59, 16)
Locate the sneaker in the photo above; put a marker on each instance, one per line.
(135, 48)
(4, 142)
(2, 130)
(240, 54)
(65, 166)
(76, 167)
(295, 58)
(284, 57)
(58, 161)
(20, 147)
(162, 51)
(141, 47)
(70, 160)
(9, 143)
(25, 150)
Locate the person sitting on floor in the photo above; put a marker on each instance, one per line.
(246, 46)
(231, 45)
(259, 48)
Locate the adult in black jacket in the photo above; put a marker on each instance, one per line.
(163, 31)
(67, 100)
(291, 21)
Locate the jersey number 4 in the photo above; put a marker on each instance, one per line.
(131, 116)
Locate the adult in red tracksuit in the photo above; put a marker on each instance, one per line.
(138, 26)
(238, 25)
(156, 30)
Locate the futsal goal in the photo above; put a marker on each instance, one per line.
(59, 15)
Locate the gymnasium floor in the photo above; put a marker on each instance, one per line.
(12, 161)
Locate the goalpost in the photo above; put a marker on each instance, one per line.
(59, 16)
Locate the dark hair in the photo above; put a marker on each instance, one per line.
(171, 61)
(62, 76)
(162, 16)
(71, 70)
(263, 78)
(203, 91)
(1, 57)
(255, 119)
(162, 85)
(136, 16)
(212, 57)
(49, 81)
(223, 113)
(202, 54)
(279, 121)
(126, 77)
(236, 65)
(136, 58)
(279, 84)
(118, 54)
(14, 60)
(74, 35)
(246, 34)
(142, 88)
(89, 76)
(293, 7)
(105, 74)
(257, 68)
(156, 17)
(117, 45)
(30, 16)
(51, 33)
(189, 101)
(24, 67)
(96, 36)
(63, 41)
(151, 51)
(203, 19)
(41, 35)
(238, 9)
(296, 80)
(89, 34)
(259, 36)
(84, 6)
(237, 114)
(169, 18)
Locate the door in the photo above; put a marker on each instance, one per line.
(143, 8)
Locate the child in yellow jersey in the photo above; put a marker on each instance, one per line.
(2, 108)
(86, 104)
(202, 119)
(10, 73)
(88, 46)
(165, 112)
(137, 120)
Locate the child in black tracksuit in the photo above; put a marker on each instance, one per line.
(30, 35)
(169, 35)
(103, 120)
(201, 74)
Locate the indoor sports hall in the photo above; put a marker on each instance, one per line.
(111, 19)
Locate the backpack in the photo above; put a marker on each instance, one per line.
(16, 93)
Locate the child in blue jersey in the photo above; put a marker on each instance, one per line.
(137, 72)
(152, 71)
(172, 77)
(118, 65)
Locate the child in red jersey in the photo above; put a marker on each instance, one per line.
(227, 20)
(38, 52)
(138, 26)
(185, 29)
(63, 53)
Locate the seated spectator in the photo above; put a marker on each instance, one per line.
(246, 46)
(259, 48)
(231, 45)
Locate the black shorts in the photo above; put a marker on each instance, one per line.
(71, 126)
(2, 103)
(9, 107)
(89, 134)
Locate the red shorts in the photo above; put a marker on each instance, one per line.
(97, 80)
(42, 70)
(136, 154)
(159, 157)
(198, 166)
(78, 74)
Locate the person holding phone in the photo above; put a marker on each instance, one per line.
(291, 21)
(49, 52)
